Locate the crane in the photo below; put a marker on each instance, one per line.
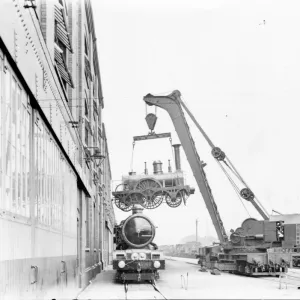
(174, 105)
(258, 247)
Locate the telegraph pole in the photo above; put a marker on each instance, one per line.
(196, 230)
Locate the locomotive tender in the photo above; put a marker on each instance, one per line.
(136, 257)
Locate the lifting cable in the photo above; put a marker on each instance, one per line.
(229, 164)
(234, 171)
(235, 187)
(131, 164)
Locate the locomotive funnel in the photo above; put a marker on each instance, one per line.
(137, 209)
(177, 157)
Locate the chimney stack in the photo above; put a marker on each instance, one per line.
(177, 157)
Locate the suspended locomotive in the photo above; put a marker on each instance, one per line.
(136, 257)
(150, 191)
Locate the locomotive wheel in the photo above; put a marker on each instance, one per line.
(135, 198)
(155, 201)
(122, 187)
(173, 202)
(148, 187)
(183, 195)
(121, 204)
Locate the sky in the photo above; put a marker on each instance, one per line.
(237, 66)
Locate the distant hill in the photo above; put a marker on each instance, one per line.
(205, 241)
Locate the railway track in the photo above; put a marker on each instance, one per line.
(137, 290)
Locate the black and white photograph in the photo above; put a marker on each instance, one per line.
(149, 149)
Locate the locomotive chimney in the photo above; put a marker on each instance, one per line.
(157, 167)
(137, 209)
(177, 156)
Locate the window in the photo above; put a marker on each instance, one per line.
(87, 71)
(86, 137)
(62, 44)
(55, 205)
(95, 233)
(86, 108)
(53, 181)
(14, 142)
(89, 221)
(95, 87)
(86, 52)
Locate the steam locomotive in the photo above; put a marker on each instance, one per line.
(136, 257)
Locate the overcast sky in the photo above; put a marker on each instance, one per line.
(237, 66)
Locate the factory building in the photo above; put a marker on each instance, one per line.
(56, 214)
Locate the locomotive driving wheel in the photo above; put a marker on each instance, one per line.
(173, 201)
(122, 187)
(148, 187)
(183, 195)
(155, 201)
(121, 204)
(135, 198)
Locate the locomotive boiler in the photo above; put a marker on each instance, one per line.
(136, 257)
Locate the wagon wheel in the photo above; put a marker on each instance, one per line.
(173, 201)
(148, 187)
(135, 198)
(155, 201)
